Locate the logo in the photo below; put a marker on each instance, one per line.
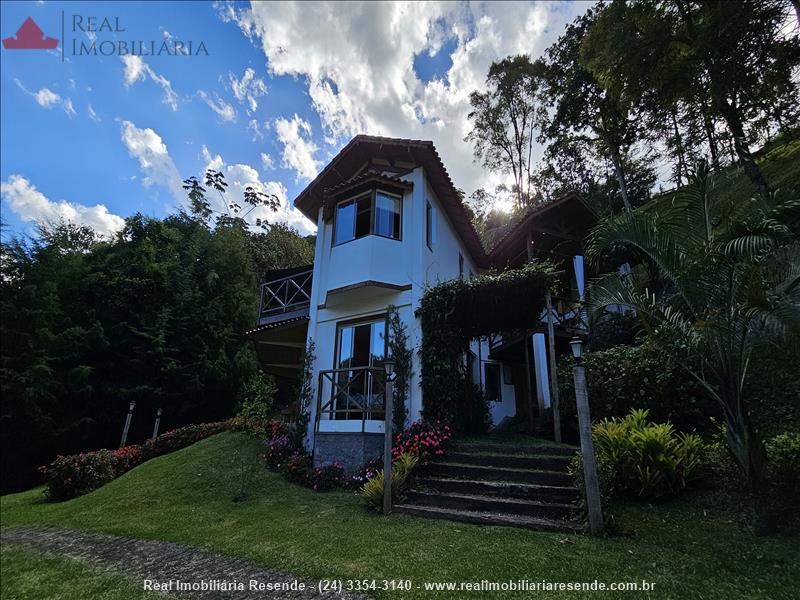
(30, 37)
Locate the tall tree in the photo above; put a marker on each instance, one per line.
(734, 53)
(504, 119)
(583, 111)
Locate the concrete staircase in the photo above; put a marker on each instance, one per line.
(515, 485)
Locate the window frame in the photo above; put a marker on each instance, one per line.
(373, 203)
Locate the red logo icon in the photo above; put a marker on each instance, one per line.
(30, 37)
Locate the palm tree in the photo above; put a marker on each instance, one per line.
(729, 284)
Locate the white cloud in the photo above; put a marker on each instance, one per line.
(92, 114)
(254, 127)
(225, 111)
(147, 147)
(47, 98)
(32, 205)
(298, 147)
(357, 60)
(240, 176)
(137, 70)
(266, 161)
(248, 88)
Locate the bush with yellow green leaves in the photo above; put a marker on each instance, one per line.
(372, 490)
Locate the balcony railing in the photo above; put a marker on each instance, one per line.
(568, 316)
(287, 296)
(354, 394)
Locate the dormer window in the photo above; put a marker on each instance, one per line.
(376, 212)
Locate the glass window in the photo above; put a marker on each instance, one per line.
(345, 222)
(493, 384)
(387, 215)
(359, 392)
(363, 208)
(430, 225)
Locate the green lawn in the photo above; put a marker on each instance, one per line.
(689, 549)
(27, 574)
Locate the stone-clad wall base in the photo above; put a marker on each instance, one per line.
(350, 449)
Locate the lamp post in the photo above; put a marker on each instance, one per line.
(158, 420)
(388, 401)
(587, 447)
(131, 406)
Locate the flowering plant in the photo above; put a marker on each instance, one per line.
(279, 450)
(327, 477)
(424, 440)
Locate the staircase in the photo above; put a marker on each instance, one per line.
(513, 485)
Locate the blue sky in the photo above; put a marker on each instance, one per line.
(281, 88)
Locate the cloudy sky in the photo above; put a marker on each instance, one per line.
(280, 89)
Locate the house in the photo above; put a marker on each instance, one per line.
(391, 224)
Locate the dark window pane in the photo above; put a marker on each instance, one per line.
(363, 206)
(493, 384)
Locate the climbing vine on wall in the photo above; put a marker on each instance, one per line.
(305, 394)
(402, 354)
(456, 311)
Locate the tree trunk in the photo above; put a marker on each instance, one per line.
(731, 116)
(620, 174)
(679, 149)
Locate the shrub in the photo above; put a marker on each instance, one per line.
(372, 490)
(365, 473)
(327, 477)
(278, 451)
(260, 428)
(257, 397)
(648, 459)
(298, 467)
(605, 480)
(424, 440)
(624, 378)
(70, 476)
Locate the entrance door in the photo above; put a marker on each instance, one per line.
(360, 350)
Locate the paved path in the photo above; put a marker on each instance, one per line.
(165, 561)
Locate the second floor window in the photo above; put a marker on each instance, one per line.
(373, 213)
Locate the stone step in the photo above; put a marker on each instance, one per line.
(485, 473)
(515, 449)
(489, 518)
(524, 491)
(493, 504)
(511, 461)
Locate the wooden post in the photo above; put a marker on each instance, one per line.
(587, 450)
(124, 439)
(526, 342)
(158, 420)
(387, 448)
(551, 344)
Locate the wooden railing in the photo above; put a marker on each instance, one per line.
(351, 394)
(285, 295)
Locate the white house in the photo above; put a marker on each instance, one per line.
(390, 225)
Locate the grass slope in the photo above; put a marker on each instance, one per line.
(689, 549)
(29, 574)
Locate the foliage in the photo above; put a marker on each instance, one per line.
(258, 396)
(327, 477)
(297, 467)
(424, 440)
(733, 60)
(729, 285)
(77, 474)
(605, 480)
(372, 490)
(279, 449)
(648, 376)
(456, 311)
(402, 355)
(155, 315)
(648, 459)
(504, 119)
(369, 470)
(305, 395)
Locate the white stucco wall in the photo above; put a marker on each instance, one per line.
(408, 261)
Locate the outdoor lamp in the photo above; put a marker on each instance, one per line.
(576, 344)
(132, 405)
(388, 366)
